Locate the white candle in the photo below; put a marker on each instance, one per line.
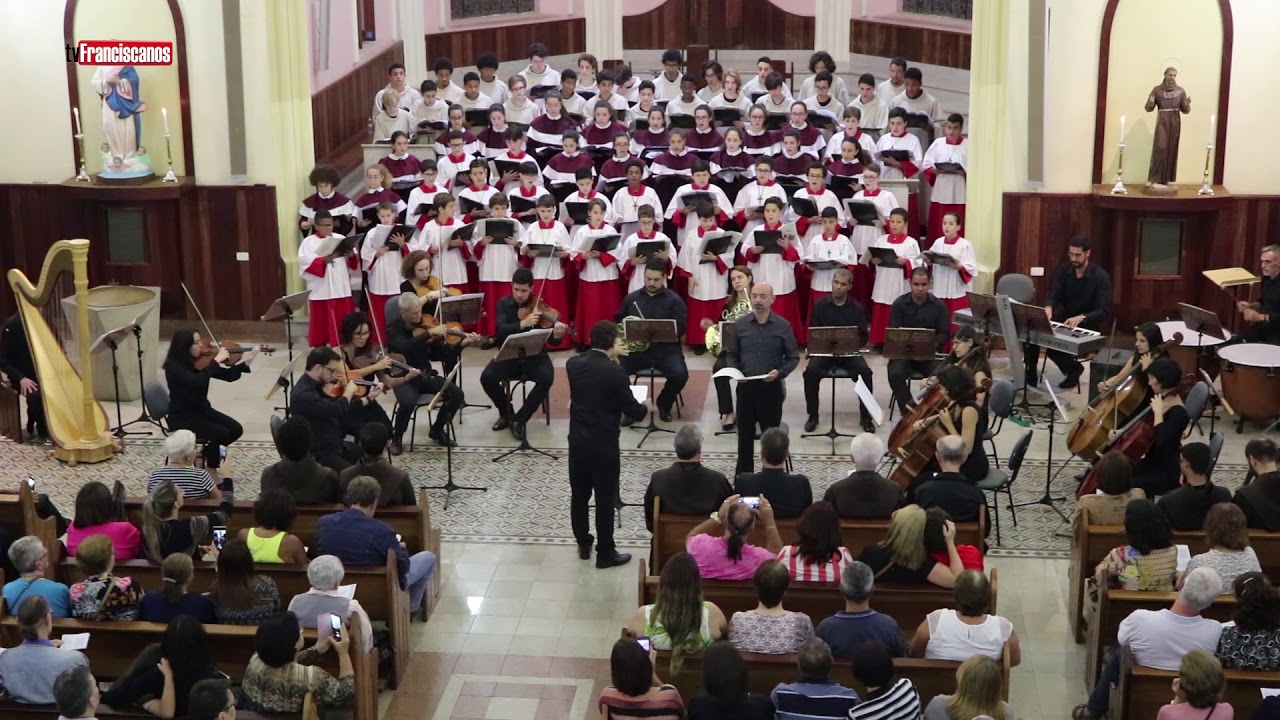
(164, 113)
(77, 112)
(1213, 126)
(1121, 129)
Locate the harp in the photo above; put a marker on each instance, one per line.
(77, 423)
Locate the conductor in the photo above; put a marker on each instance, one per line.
(655, 301)
(599, 394)
(763, 344)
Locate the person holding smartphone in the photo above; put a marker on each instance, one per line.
(720, 547)
(281, 673)
(635, 688)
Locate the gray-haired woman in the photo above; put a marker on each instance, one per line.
(31, 558)
(326, 596)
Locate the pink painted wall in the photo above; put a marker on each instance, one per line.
(344, 55)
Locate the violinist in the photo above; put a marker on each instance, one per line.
(363, 360)
(1157, 471)
(656, 302)
(326, 414)
(963, 416)
(537, 369)
(416, 271)
(416, 343)
(189, 365)
(1146, 344)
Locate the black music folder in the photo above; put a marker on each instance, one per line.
(464, 232)
(500, 229)
(641, 123)
(577, 211)
(726, 115)
(684, 122)
(477, 117)
(606, 243)
(437, 125)
(842, 183)
(540, 92)
(541, 249)
(697, 197)
(949, 168)
(506, 166)
(887, 256)
(920, 121)
(899, 155)
(428, 209)
(821, 120)
(649, 248)
(519, 203)
(768, 239)
(804, 207)
(863, 212)
(717, 244)
(370, 214)
(775, 121)
(466, 205)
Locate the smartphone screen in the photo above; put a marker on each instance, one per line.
(31, 482)
(753, 501)
(219, 536)
(398, 539)
(335, 623)
(644, 643)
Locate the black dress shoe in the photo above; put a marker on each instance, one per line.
(727, 426)
(442, 439)
(612, 560)
(626, 422)
(868, 425)
(665, 415)
(1069, 382)
(697, 350)
(584, 551)
(503, 422)
(397, 447)
(517, 429)
(811, 424)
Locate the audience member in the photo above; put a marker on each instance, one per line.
(719, 545)
(770, 628)
(100, 511)
(269, 540)
(819, 553)
(1253, 643)
(1115, 482)
(635, 690)
(902, 557)
(935, 541)
(978, 687)
(162, 682)
(165, 533)
(298, 472)
(75, 694)
(1187, 506)
(865, 493)
(948, 489)
(180, 469)
(849, 629)
(815, 695)
(1149, 560)
(886, 698)
(679, 619)
(967, 630)
(357, 538)
(687, 487)
(241, 596)
(1197, 691)
(325, 574)
(29, 555)
(396, 487)
(101, 595)
(1159, 638)
(791, 491)
(725, 683)
(167, 603)
(1229, 553)
(212, 700)
(28, 671)
(1260, 499)
(281, 673)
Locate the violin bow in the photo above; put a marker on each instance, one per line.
(200, 315)
(377, 332)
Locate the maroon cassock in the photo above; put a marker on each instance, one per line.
(652, 142)
(471, 142)
(547, 132)
(595, 136)
(809, 135)
(492, 142)
(409, 165)
(797, 166)
(385, 195)
(761, 144)
(839, 168)
(703, 143)
(677, 164)
(561, 168)
(614, 169)
(314, 202)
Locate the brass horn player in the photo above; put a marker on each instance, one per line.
(736, 304)
(655, 301)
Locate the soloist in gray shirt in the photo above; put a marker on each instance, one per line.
(758, 348)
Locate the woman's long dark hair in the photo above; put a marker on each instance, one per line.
(347, 333)
(958, 383)
(1146, 527)
(819, 531)
(1152, 333)
(233, 587)
(185, 646)
(180, 348)
(978, 361)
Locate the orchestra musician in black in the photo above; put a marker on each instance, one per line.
(1081, 297)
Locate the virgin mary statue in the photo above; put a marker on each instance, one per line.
(122, 106)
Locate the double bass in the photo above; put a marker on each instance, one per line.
(918, 449)
(1112, 409)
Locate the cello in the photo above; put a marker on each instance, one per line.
(1133, 441)
(930, 403)
(1113, 409)
(918, 450)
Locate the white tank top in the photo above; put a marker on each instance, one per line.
(950, 638)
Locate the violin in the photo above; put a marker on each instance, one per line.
(548, 316)
(1112, 409)
(453, 336)
(235, 352)
(433, 285)
(918, 450)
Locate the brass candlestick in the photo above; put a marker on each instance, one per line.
(83, 175)
(168, 149)
(1119, 188)
(1205, 187)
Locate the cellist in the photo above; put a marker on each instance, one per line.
(1146, 346)
(963, 416)
(1157, 471)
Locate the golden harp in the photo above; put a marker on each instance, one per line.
(77, 423)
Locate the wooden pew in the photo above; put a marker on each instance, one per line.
(669, 532)
(1142, 691)
(1116, 605)
(906, 604)
(10, 414)
(11, 710)
(765, 672)
(1091, 543)
(378, 591)
(412, 522)
(114, 645)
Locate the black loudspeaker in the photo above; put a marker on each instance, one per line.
(1106, 364)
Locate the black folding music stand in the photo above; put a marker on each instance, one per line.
(833, 342)
(984, 311)
(111, 340)
(284, 308)
(1028, 319)
(466, 311)
(1203, 322)
(650, 331)
(449, 486)
(520, 346)
(284, 381)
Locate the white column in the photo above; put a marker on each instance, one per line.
(411, 14)
(604, 28)
(831, 31)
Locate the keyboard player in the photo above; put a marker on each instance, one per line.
(1080, 297)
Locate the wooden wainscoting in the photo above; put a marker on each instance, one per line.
(340, 112)
(719, 25)
(931, 46)
(220, 221)
(510, 42)
(1036, 229)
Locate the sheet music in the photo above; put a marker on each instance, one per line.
(869, 401)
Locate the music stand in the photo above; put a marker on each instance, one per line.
(112, 339)
(917, 344)
(1203, 322)
(449, 485)
(285, 307)
(984, 310)
(284, 381)
(833, 342)
(1026, 320)
(465, 310)
(1047, 499)
(662, 330)
(519, 346)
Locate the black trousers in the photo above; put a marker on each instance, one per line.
(359, 414)
(210, 425)
(337, 458)
(594, 468)
(407, 395)
(35, 414)
(820, 367)
(1066, 362)
(538, 369)
(724, 387)
(669, 359)
(759, 403)
(900, 372)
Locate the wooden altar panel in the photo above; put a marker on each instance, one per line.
(1036, 229)
(719, 25)
(340, 112)
(508, 42)
(948, 48)
(32, 216)
(220, 221)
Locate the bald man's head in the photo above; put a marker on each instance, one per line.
(761, 298)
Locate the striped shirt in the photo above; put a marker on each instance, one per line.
(898, 701)
(802, 570)
(195, 483)
(660, 703)
(810, 700)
